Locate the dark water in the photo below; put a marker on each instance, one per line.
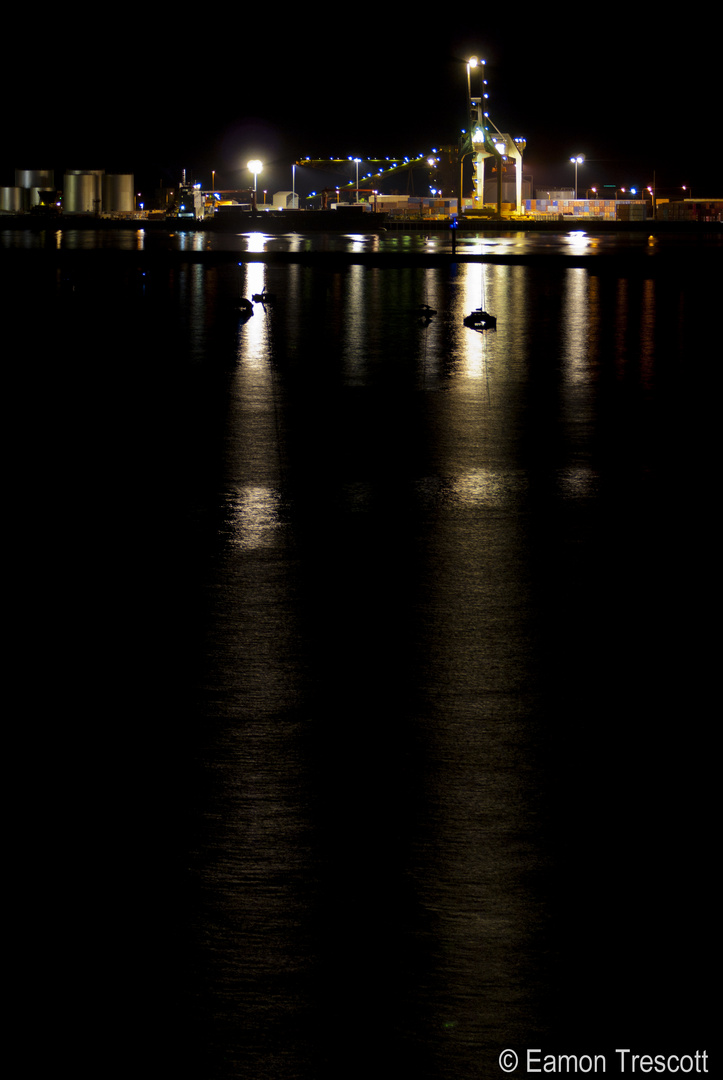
(385, 656)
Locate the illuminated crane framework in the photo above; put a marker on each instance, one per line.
(382, 169)
(483, 144)
(479, 141)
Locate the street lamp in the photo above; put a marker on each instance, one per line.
(577, 161)
(255, 167)
(473, 62)
(356, 162)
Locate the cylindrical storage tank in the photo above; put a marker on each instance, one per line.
(118, 193)
(12, 199)
(82, 192)
(34, 181)
(35, 178)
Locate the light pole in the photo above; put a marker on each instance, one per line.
(475, 118)
(577, 161)
(255, 167)
(473, 62)
(651, 192)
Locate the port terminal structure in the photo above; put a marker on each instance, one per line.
(484, 143)
(378, 169)
(482, 139)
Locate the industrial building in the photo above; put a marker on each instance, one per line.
(85, 191)
(33, 187)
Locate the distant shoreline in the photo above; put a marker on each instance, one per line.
(564, 224)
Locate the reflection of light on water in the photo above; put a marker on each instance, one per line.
(255, 278)
(191, 241)
(478, 487)
(577, 242)
(647, 330)
(254, 331)
(362, 241)
(475, 488)
(473, 343)
(489, 243)
(253, 517)
(578, 483)
(356, 318)
(256, 241)
(576, 331)
(193, 299)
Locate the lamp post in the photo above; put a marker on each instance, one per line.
(255, 167)
(473, 62)
(577, 161)
(475, 119)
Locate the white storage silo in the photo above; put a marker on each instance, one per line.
(82, 191)
(12, 199)
(33, 181)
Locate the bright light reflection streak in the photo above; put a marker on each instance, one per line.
(256, 241)
(485, 487)
(579, 242)
(363, 241)
(356, 322)
(473, 343)
(576, 317)
(254, 332)
(356, 241)
(191, 241)
(254, 517)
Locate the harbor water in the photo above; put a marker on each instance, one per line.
(369, 670)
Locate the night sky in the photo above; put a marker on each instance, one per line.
(154, 100)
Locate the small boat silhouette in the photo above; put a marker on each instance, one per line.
(481, 320)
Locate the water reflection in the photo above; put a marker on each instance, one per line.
(486, 487)
(414, 521)
(191, 241)
(578, 242)
(578, 482)
(355, 324)
(252, 514)
(257, 241)
(575, 330)
(441, 241)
